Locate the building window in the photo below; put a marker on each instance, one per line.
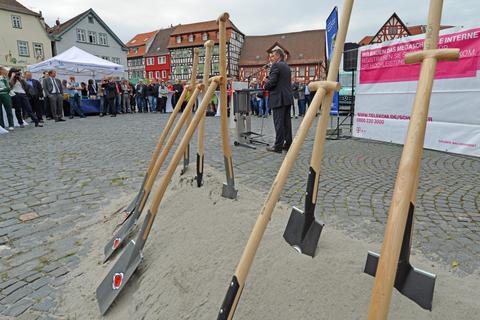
(90, 19)
(103, 40)
(191, 37)
(179, 39)
(144, 74)
(157, 74)
(17, 22)
(162, 60)
(164, 74)
(23, 48)
(116, 60)
(150, 61)
(92, 37)
(205, 36)
(392, 30)
(135, 50)
(301, 72)
(106, 58)
(150, 75)
(81, 35)
(38, 50)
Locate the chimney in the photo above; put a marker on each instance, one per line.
(57, 22)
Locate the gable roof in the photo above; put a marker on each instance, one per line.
(411, 31)
(15, 6)
(58, 30)
(304, 47)
(140, 41)
(202, 26)
(160, 42)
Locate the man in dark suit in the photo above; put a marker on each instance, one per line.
(279, 86)
(35, 93)
(54, 89)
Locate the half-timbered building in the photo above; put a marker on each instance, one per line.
(185, 38)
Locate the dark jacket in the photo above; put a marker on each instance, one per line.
(36, 89)
(110, 90)
(48, 85)
(279, 86)
(92, 89)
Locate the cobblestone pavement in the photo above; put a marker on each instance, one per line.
(55, 179)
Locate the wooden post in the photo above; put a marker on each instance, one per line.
(408, 173)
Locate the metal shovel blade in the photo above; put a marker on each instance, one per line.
(123, 269)
(121, 235)
(199, 176)
(228, 189)
(415, 284)
(118, 276)
(303, 233)
(186, 160)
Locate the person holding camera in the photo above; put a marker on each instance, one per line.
(5, 100)
(21, 104)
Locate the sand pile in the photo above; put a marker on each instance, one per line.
(196, 242)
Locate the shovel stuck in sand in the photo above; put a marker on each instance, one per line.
(201, 126)
(156, 163)
(303, 229)
(128, 262)
(322, 89)
(228, 190)
(392, 267)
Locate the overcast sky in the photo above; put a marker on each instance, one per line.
(253, 17)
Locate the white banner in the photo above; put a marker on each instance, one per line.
(386, 90)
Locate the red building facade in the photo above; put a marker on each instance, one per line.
(304, 53)
(157, 59)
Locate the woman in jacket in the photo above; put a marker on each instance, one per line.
(20, 99)
(5, 100)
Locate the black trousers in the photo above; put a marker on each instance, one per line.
(283, 127)
(37, 106)
(23, 108)
(110, 105)
(162, 102)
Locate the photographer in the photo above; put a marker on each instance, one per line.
(20, 99)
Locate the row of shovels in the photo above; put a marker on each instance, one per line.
(391, 268)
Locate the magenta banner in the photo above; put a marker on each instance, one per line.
(386, 63)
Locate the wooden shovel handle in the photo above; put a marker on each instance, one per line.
(407, 179)
(206, 74)
(151, 176)
(222, 26)
(179, 152)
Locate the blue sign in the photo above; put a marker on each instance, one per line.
(332, 30)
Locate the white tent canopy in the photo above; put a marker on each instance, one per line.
(77, 62)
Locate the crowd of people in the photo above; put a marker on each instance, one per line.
(50, 98)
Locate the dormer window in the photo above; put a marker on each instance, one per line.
(190, 38)
(205, 36)
(179, 39)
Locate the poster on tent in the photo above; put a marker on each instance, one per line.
(386, 90)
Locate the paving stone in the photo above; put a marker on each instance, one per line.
(18, 308)
(13, 287)
(16, 295)
(46, 305)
